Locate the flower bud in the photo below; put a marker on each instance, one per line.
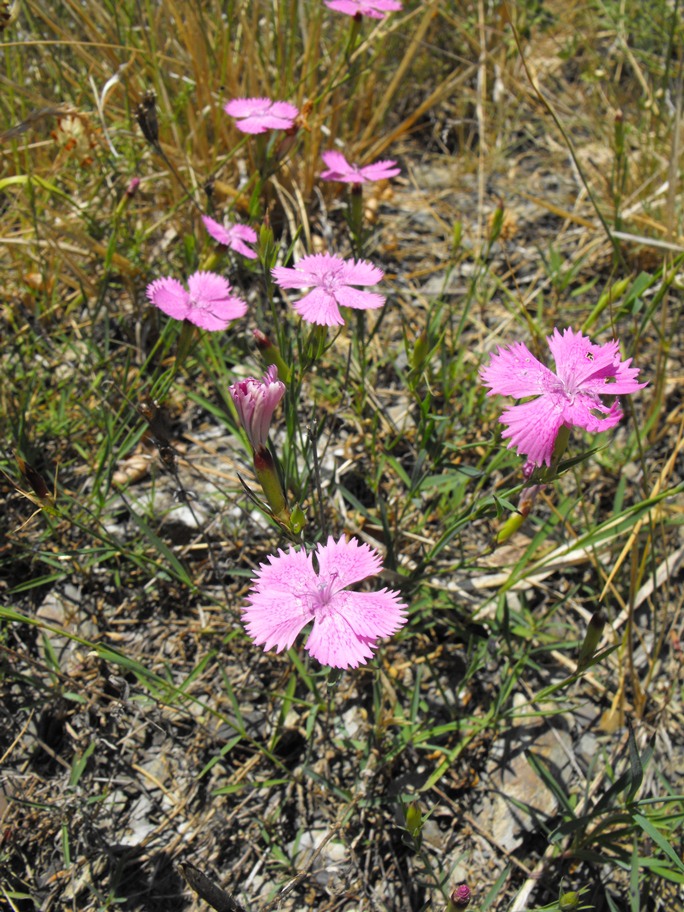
(297, 519)
(461, 896)
(34, 478)
(146, 115)
(421, 349)
(569, 901)
(267, 473)
(528, 497)
(414, 819)
(591, 639)
(355, 213)
(456, 237)
(132, 187)
(510, 527)
(255, 401)
(267, 250)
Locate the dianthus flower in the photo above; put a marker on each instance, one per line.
(257, 115)
(288, 592)
(339, 169)
(374, 9)
(207, 302)
(330, 278)
(570, 397)
(255, 402)
(232, 235)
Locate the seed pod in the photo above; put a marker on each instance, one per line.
(146, 115)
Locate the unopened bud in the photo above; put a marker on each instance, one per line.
(146, 115)
(355, 213)
(34, 478)
(456, 236)
(496, 224)
(267, 250)
(421, 347)
(461, 896)
(297, 519)
(133, 185)
(591, 639)
(414, 819)
(569, 901)
(528, 497)
(510, 527)
(267, 474)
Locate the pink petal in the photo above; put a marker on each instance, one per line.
(371, 614)
(380, 170)
(532, 428)
(580, 413)
(212, 306)
(339, 169)
(333, 642)
(581, 363)
(319, 266)
(280, 603)
(275, 623)
(232, 235)
(319, 307)
(216, 230)
(287, 277)
(375, 9)
(346, 633)
(244, 232)
(359, 300)
(256, 115)
(516, 372)
(336, 161)
(245, 107)
(289, 572)
(348, 560)
(283, 110)
(239, 247)
(625, 380)
(577, 358)
(360, 272)
(170, 297)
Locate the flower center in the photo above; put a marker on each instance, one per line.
(330, 283)
(199, 303)
(324, 593)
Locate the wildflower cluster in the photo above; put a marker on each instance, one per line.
(301, 586)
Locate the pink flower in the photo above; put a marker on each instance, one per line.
(331, 278)
(339, 169)
(257, 115)
(375, 9)
(570, 397)
(288, 592)
(232, 235)
(207, 302)
(255, 401)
